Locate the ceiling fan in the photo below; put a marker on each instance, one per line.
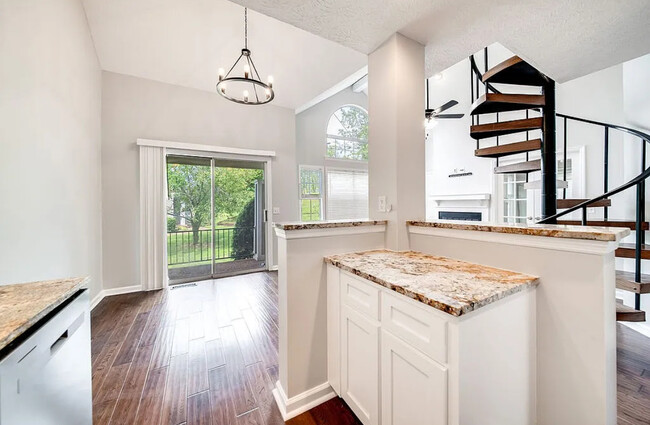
(436, 113)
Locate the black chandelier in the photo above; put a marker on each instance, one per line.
(261, 92)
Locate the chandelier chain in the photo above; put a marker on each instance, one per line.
(246, 27)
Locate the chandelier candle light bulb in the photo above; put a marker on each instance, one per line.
(247, 71)
(222, 72)
(246, 96)
(270, 81)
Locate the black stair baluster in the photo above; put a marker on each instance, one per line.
(640, 198)
(564, 153)
(605, 170)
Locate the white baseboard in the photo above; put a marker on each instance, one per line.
(113, 291)
(273, 268)
(290, 408)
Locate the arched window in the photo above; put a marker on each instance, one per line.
(347, 134)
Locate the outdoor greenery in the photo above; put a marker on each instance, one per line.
(190, 189)
(242, 243)
(351, 125)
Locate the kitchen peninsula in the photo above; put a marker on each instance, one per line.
(574, 312)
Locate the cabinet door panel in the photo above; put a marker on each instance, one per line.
(360, 294)
(360, 365)
(414, 387)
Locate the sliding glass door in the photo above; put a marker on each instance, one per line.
(215, 217)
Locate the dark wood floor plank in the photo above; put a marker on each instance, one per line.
(107, 399)
(198, 370)
(129, 400)
(214, 354)
(150, 409)
(174, 409)
(240, 392)
(249, 351)
(198, 409)
(262, 389)
(162, 351)
(221, 406)
(196, 325)
(633, 372)
(132, 340)
(181, 337)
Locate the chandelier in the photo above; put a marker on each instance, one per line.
(236, 88)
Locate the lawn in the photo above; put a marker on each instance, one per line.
(181, 249)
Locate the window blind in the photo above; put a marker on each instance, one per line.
(347, 194)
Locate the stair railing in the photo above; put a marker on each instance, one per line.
(638, 181)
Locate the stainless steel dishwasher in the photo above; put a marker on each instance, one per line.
(46, 380)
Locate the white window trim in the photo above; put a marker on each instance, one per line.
(328, 136)
(322, 189)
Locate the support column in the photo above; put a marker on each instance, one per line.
(396, 136)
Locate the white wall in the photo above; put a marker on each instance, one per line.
(50, 133)
(135, 108)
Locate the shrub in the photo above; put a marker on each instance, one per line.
(171, 224)
(242, 241)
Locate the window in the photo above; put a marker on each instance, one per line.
(347, 134)
(347, 194)
(514, 198)
(311, 193)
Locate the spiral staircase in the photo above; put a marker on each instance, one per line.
(540, 118)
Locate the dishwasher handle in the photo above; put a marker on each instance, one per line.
(65, 336)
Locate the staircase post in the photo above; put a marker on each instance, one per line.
(549, 161)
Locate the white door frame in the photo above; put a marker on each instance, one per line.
(219, 152)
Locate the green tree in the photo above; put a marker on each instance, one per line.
(190, 185)
(354, 126)
(234, 188)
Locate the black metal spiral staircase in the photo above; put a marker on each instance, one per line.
(540, 115)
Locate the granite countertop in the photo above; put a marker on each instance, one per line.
(299, 225)
(453, 286)
(605, 234)
(24, 304)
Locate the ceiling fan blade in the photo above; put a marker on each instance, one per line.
(445, 106)
(449, 116)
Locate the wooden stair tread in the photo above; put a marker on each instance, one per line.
(509, 149)
(626, 282)
(483, 131)
(630, 224)
(500, 102)
(569, 203)
(628, 314)
(627, 250)
(520, 167)
(515, 71)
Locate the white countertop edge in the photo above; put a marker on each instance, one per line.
(533, 241)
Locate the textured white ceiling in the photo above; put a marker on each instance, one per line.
(185, 42)
(564, 38)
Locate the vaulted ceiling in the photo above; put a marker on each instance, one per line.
(564, 38)
(185, 42)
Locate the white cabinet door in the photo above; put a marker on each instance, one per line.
(414, 387)
(360, 365)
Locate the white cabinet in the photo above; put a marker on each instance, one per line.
(397, 361)
(413, 387)
(360, 365)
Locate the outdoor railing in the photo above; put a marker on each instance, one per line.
(182, 249)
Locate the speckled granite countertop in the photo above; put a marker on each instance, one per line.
(299, 225)
(605, 234)
(453, 286)
(24, 304)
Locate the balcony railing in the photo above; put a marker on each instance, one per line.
(182, 249)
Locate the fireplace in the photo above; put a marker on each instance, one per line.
(460, 215)
(466, 207)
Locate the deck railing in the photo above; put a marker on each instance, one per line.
(182, 249)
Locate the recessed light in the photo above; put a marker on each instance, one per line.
(437, 76)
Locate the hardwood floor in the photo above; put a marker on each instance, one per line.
(633, 365)
(196, 354)
(207, 354)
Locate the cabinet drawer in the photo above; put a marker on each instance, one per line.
(360, 295)
(420, 328)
